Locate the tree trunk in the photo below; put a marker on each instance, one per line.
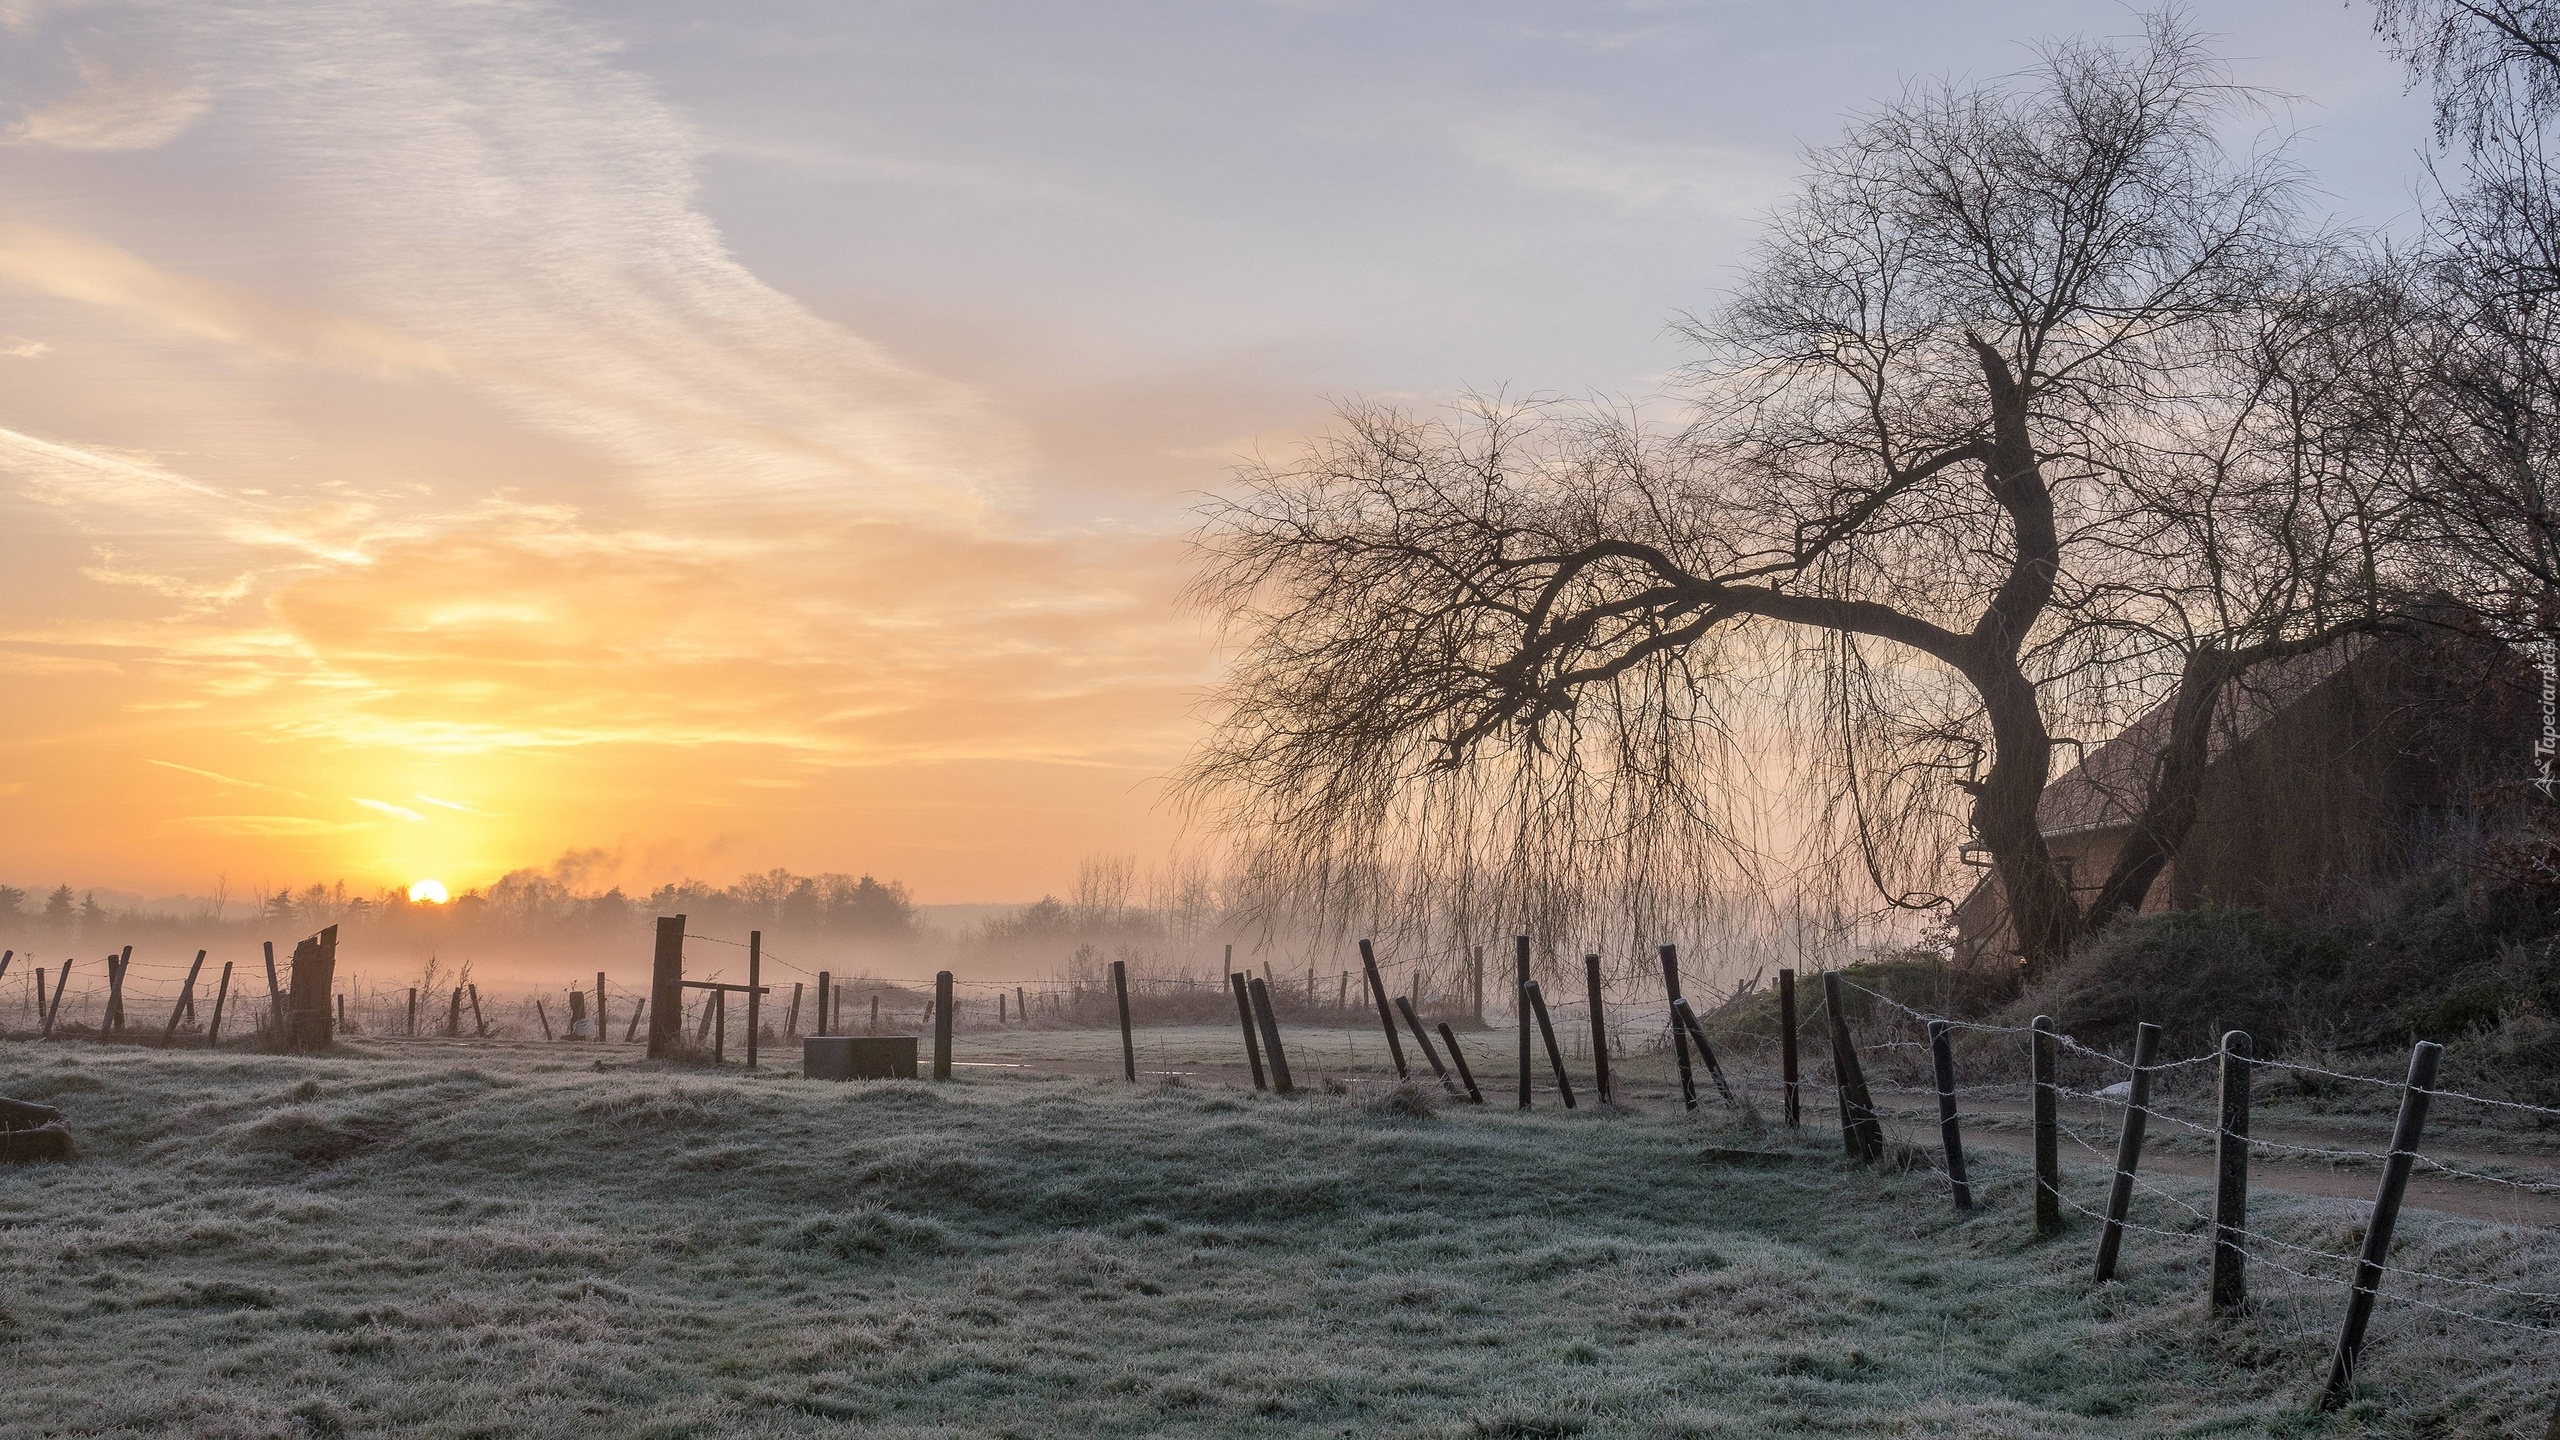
(2042, 914)
(2176, 791)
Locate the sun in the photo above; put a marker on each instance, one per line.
(428, 892)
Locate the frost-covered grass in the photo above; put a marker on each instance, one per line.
(510, 1241)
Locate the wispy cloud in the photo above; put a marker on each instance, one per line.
(447, 804)
(133, 108)
(396, 812)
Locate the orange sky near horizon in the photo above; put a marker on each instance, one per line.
(439, 438)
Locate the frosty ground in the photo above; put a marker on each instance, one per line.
(457, 1240)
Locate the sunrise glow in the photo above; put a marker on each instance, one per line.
(427, 892)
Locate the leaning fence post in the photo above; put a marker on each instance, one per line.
(942, 1025)
(1942, 1058)
(639, 1008)
(542, 1015)
(1458, 1058)
(1270, 1025)
(1687, 1019)
(1128, 1043)
(113, 1020)
(186, 1001)
(1787, 1076)
(2423, 1060)
(2137, 1118)
(1386, 1014)
(1244, 1017)
(2231, 1176)
(1599, 1030)
(791, 1020)
(1547, 1033)
(2047, 1044)
(221, 992)
(275, 992)
(61, 983)
(479, 1022)
(1422, 1038)
(1679, 1037)
(1860, 1133)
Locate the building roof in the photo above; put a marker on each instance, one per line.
(2110, 784)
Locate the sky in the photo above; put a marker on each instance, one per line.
(659, 439)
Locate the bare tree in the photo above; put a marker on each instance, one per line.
(1913, 420)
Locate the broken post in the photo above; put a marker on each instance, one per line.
(2137, 1115)
(1386, 1015)
(1269, 1024)
(1942, 1061)
(1547, 1033)
(1599, 1030)
(666, 989)
(2230, 1286)
(2423, 1060)
(1459, 1059)
(315, 965)
(942, 1025)
(1128, 1043)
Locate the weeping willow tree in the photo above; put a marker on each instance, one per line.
(1557, 668)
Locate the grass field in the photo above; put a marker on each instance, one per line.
(523, 1240)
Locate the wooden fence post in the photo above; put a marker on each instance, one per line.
(942, 1025)
(1459, 1059)
(113, 1020)
(824, 986)
(1599, 1030)
(2047, 1044)
(1422, 1038)
(1942, 1060)
(719, 1006)
(2230, 1289)
(1860, 1133)
(221, 992)
(186, 1002)
(1269, 1023)
(1128, 1043)
(601, 1037)
(2137, 1118)
(1547, 1032)
(315, 964)
(413, 1013)
(666, 989)
(639, 1007)
(875, 1014)
(755, 992)
(1386, 1015)
(1476, 974)
(1520, 1010)
(453, 1017)
(275, 992)
(1788, 1075)
(61, 983)
(542, 1015)
(1021, 1006)
(791, 1020)
(1244, 1017)
(2424, 1057)
(479, 1022)
(1679, 1037)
